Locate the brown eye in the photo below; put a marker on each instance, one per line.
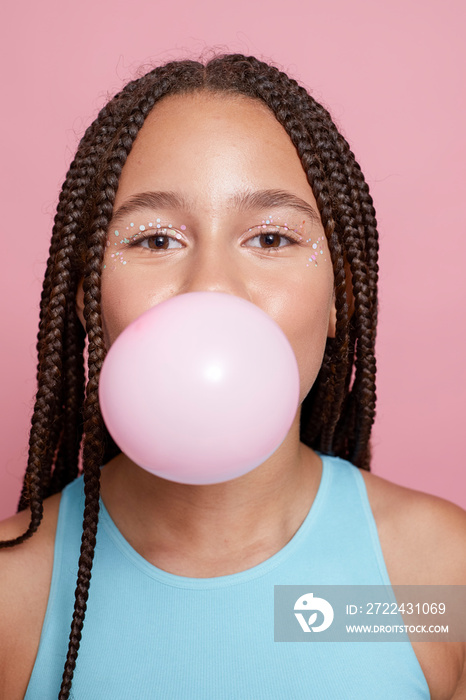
(271, 240)
(158, 242)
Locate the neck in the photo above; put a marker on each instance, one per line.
(228, 527)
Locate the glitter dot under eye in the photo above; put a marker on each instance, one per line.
(183, 227)
(116, 233)
(142, 228)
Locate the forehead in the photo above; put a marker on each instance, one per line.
(213, 110)
(213, 143)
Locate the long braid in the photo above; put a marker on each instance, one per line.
(66, 463)
(359, 404)
(48, 417)
(92, 455)
(26, 493)
(47, 408)
(67, 457)
(93, 424)
(359, 234)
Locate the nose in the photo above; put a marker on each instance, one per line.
(214, 268)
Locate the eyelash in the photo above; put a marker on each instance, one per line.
(163, 232)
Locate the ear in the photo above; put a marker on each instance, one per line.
(80, 304)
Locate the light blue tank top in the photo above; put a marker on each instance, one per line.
(150, 634)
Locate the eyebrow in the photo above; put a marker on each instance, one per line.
(244, 201)
(269, 199)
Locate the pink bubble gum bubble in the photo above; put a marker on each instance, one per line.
(200, 389)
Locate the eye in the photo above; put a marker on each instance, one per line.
(271, 240)
(159, 241)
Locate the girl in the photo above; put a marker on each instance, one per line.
(223, 177)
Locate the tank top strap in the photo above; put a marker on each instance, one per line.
(355, 554)
(55, 634)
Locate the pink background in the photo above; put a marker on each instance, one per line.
(390, 73)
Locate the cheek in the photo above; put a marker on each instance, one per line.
(127, 292)
(309, 349)
(306, 323)
(119, 303)
(113, 307)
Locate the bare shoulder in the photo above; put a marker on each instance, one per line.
(423, 541)
(25, 577)
(28, 556)
(429, 532)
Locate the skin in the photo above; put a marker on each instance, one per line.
(210, 148)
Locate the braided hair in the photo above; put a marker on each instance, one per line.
(337, 414)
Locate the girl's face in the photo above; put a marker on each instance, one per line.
(213, 197)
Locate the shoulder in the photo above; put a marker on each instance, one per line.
(25, 577)
(428, 533)
(29, 555)
(423, 541)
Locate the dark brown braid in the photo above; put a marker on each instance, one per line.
(338, 413)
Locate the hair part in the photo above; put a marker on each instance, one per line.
(338, 413)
